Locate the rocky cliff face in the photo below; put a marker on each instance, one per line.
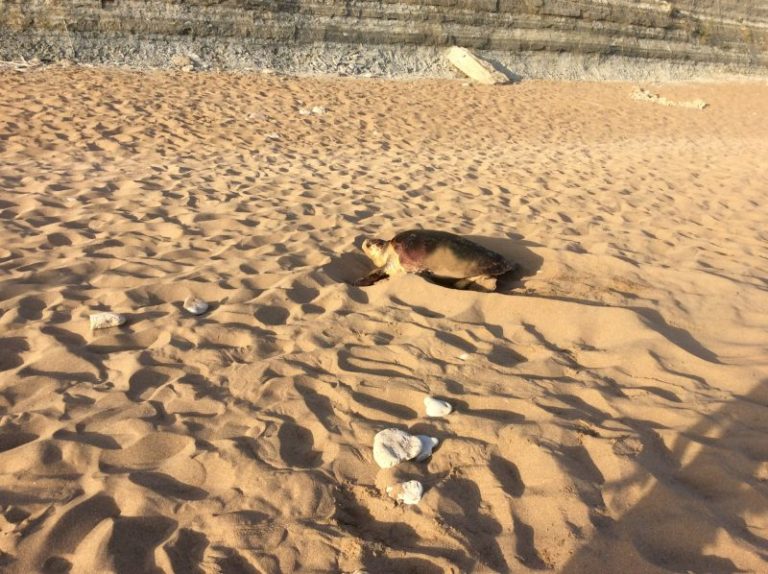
(227, 33)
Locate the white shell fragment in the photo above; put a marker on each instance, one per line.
(428, 444)
(392, 446)
(436, 408)
(106, 319)
(318, 110)
(407, 492)
(195, 306)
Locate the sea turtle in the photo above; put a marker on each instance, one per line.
(440, 255)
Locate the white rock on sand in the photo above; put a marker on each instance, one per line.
(436, 408)
(195, 306)
(409, 492)
(106, 319)
(392, 446)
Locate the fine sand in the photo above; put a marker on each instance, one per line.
(611, 407)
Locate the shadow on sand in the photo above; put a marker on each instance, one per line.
(684, 529)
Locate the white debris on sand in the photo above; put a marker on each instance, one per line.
(436, 407)
(409, 492)
(106, 319)
(645, 96)
(315, 110)
(428, 444)
(195, 306)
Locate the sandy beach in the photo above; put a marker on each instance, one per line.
(610, 403)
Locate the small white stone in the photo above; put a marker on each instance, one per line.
(304, 111)
(407, 492)
(392, 446)
(195, 306)
(436, 408)
(463, 356)
(428, 444)
(106, 319)
(318, 110)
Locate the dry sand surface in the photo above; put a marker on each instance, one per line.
(611, 407)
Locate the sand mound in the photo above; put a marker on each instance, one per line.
(610, 407)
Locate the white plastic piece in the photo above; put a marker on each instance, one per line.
(195, 306)
(407, 492)
(436, 408)
(106, 319)
(428, 444)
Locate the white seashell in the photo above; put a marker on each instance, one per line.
(195, 306)
(392, 446)
(428, 444)
(407, 492)
(106, 319)
(436, 407)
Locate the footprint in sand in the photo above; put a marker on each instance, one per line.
(148, 452)
(74, 522)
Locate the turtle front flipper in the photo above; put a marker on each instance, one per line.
(371, 278)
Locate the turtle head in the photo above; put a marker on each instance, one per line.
(375, 249)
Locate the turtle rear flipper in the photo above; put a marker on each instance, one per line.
(484, 283)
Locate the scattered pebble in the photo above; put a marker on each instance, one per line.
(436, 408)
(392, 446)
(407, 492)
(195, 306)
(463, 356)
(318, 110)
(304, 111)
(428, 444)
(106, 319)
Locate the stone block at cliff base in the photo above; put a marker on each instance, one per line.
(474, 67)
